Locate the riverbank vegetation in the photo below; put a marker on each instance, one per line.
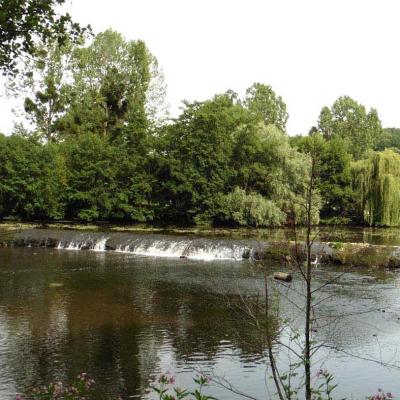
(100, 146)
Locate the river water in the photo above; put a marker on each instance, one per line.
(125, 318)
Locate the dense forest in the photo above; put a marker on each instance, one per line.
(99, 146)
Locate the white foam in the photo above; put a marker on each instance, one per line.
(100, 245)
(195, 249)
(159, 248)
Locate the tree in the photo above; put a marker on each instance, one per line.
(334, 178)
(195, 164)
(91, 182)
(110, 89)
(350, 121)
(390, 138)
(24, 22)
(301, 345)
(266, 106)
(43, 82)
(264, 162)
(157, 108)
(377, 184)
(33, 179)
(250, 209)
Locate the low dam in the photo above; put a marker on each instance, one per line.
(206, 248)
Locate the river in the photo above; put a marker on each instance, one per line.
(125, 318)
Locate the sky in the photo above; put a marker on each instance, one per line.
(309, 51)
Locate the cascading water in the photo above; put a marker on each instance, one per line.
(83, 242)
(152, 245)
(155, 248)
(100, 245)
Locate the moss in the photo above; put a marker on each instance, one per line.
(336, 245)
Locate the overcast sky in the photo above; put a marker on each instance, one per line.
(310, 51)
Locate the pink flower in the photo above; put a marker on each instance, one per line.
(171, 380)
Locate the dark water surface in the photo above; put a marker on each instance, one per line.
(124, 319)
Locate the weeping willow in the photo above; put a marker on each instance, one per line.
(377, 182)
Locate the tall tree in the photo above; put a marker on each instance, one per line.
(350, 121)
(334, 174)
(23, 22)
(110, 90)
(266, 105)
(43, 82)
(195, 163)
(111, 87)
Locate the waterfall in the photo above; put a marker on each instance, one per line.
(199, 249)
(155, 248)
(100, 245)
(151, 245)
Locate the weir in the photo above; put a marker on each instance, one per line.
(152, 245)
(207, 248)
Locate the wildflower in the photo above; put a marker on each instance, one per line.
(163, 379)
(171, 380)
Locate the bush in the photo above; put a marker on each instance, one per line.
(251, 209)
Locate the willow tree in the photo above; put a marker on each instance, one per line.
(377, 181)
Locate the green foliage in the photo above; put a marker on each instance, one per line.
(110, 80)
(33, 179)
(111, 87)
(42, 82)
(265, 163)
(105, 181)
(91, 177)
(390, 138)
(326, 387)
(167, 391)
(266, 106)
(350, 121)
(213, 165)
(98, 116)
(334, 174)
(23, 22)
(377, 182)
(195, 164)
(251, 209)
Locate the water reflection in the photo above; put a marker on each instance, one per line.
(124, 319)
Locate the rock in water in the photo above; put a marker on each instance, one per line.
(282, 276)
